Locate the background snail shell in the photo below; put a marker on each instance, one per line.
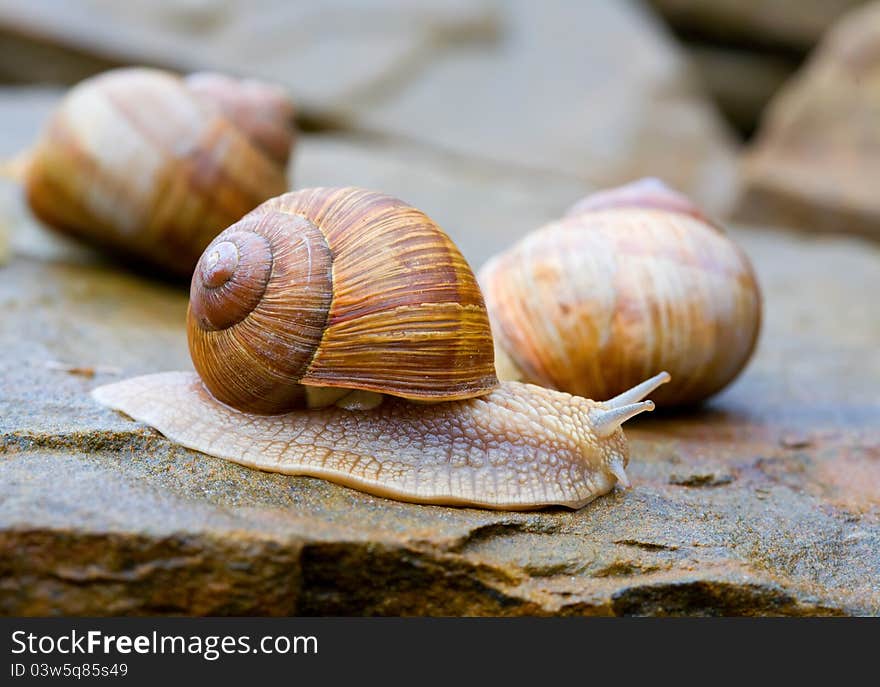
(342, 288)
(153, 166)
(632, 280)
(519, 447)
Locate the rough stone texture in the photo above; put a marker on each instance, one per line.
(792, 24)
(815, 162)
(516, 83)
(767, 501)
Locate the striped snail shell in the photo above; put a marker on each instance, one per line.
(152, 166)
(631, 280)
(336, 289)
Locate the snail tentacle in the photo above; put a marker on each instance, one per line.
(638, 392)
(606, 422)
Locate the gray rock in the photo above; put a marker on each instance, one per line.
(765, 501)
(814, 163)
(592, 89)
(789, 24)
(328, 52)
(741, 82)
(541, 86)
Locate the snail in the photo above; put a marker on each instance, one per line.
(152, 166)
(631, 280)
(339, 333)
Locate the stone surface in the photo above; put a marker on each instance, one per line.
(327, 51)
(791, 24)
(29, 59)
(558, 93)
(741, 82)
(815, 161)
(766, 501)
(514, 83)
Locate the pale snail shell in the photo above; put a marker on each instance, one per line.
(631, 280)
(403, 316)
(152, 166)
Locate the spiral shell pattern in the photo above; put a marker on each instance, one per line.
(337, 287)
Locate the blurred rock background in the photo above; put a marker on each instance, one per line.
(745, 49)
(493, 117)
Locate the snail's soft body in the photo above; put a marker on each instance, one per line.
(518, 447)
(632, 280)
(151, 165)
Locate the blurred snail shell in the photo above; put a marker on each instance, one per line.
(152, 166)
(630, 281)
(331, 298)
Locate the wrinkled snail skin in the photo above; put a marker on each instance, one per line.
(337, 288)
(519, 447)
(632, 280)
(149, 165)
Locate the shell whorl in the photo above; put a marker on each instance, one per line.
(342, 288)
(141, 163)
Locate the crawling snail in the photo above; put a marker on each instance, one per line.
(631, 280)
(339, 333)
(150, 165)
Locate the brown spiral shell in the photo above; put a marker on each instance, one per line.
(152, 166)
(337, 287)
(631, 281)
